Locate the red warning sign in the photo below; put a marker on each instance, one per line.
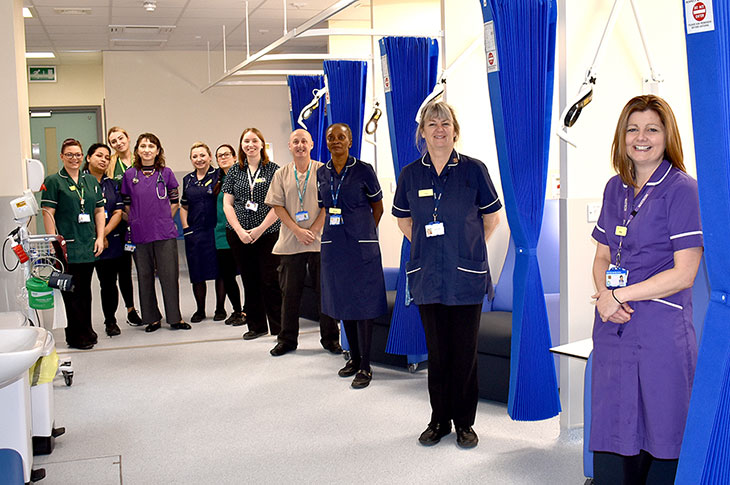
(699, 11)
(490, 58)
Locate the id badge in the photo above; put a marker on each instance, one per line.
(434, 229)
(129, 247)
(335, 210)
(84, 218)
(302, 216)
(616, 277)
(252, 206)
(336, 220)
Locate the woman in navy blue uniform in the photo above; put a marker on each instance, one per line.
(353, 286)
(447, 207)
(111, 262)
(198, 215)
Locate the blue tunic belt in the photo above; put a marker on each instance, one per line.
(352, 282)
(200, 201)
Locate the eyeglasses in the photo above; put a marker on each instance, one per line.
(224, 155)
(73, 155)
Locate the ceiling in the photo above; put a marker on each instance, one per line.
(71, 26)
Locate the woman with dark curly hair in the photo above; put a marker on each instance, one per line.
(150, 193)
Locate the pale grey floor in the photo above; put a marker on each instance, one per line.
(205, 407)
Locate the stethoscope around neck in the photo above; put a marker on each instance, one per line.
(157, 184)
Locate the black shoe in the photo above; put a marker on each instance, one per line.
(84, 346)
(219, 315)
(333, 347)
(197, 317)
(152, 327)
(112, 329)
(350, 369)
(466, 437)
(281, 349)
(180, 326)
(434, 433)
(133, 318)
(236, 319)
(251, 334)
(362, 379)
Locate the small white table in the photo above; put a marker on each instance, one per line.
(580, 349)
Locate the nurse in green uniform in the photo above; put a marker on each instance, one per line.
(120, 162)
(74, 208)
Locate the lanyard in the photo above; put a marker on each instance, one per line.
(302, 192)
(79, 189)
(627, 220)
(336, 194)
(437, 194)
(252, 178)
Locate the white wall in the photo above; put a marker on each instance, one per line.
(76, 85)
(159, 92)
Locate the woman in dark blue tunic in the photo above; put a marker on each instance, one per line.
(353, 286)
(198, 215)
(111, 262)
(447, 207)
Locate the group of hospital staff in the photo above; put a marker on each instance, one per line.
(273, 225)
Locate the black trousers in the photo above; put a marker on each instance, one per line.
(160, 255)
(641, 469)
(107, 271)
(257, 265)
(125, 279)
(292, 273)
(451, 338)
(360, 338)
(227, 272)
(79, 331)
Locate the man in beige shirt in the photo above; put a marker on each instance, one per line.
(293, 196)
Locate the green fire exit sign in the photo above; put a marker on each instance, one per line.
(42, 74)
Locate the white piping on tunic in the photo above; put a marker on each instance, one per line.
(661, 179)
(489, 205)
(674, 305)
(367, 240)
(685, 234)
(600, 229)
(326, 242)
(402, 210)
(413, 270)
(471, 270)
(376, 193)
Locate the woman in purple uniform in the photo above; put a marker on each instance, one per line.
(649, 248)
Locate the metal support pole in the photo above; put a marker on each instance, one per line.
(225, 59)
(284, 3)
(248, 44)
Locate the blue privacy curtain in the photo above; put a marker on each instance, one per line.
(346, 102)
(705, 455)
(300, 94)
(409, 74)
(520, 67)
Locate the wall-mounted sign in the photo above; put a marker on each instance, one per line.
(42, 74)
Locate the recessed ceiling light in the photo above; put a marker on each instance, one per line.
(40, 55)
(27, 14)
(149, 5)
(72, 11)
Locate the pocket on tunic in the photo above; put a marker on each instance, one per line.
(473, 277)
(414, 273)
(369, 249)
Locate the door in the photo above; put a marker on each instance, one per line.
(49, 127)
